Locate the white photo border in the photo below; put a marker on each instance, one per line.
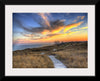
(9, 9)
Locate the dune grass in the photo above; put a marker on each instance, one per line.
(32, 61)
(73, 58)
(72, 54)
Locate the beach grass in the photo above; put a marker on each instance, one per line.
(72, 54)
(32, 61)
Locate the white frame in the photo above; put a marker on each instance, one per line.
(9, 71)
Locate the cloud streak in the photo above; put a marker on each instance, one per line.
(70, 26)
(27, 35)
(45, 19)
(84, 28)
(55, 25)
(48, 29)
(78, 18)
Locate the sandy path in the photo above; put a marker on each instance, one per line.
(56, 62)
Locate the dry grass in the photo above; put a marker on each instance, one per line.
(32, 61)
(73, 58)
(73, 55)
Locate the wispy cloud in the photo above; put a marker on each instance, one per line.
(45, 32)
(56, 26)
(82, 17)
(78, 18)
(27, 35)
(70, 26)
(84, 28)
(76, 30)
(45, 19)
(57, 30)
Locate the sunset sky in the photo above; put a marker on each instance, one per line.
(34, 28)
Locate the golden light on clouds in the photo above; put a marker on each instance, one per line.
(45, 32)
(68, 27)
(57, 30)
(60, 37)
(53, 35)
(50, 27)
(84, 28)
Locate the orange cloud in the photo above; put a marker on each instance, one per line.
(65, 38)
(45, 32)
(55, 37)
(68, 27)
(53, 31)
(78, 17)
(74, 20)
(57, 30)
(45, 18)
(82, 17)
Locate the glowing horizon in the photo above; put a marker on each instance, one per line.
(29, 28)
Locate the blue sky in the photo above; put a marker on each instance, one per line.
(36, 23)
